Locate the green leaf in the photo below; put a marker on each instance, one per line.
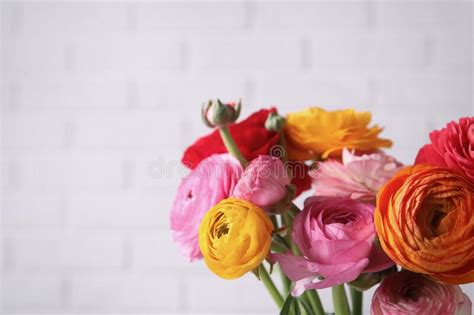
(297, 307)
(285, 309)
(305, 305)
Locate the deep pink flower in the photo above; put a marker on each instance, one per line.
(451, 147)
(336, 238)
(263, 182)
(410, 293)
(357, 177)
(211, 181)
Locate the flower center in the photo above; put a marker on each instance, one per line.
(340, 217)
(221, 227)
(222, 230)
(411, 292)
(436, 216)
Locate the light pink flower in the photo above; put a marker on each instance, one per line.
(211, 181)
(410, 293)
(357, 177)
(264, 181)
(451, 147)
(336, 238)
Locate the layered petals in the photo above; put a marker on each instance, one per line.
(234, 237)
(425, 222)
(356, 177)
(451, 147)
(407, 293)
(318, 134)
(336, 238)
(213, 180)
(264, 181)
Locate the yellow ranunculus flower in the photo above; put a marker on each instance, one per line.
(316, 133)
(234, 237)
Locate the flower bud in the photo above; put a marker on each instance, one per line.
(264, 182)
(275, 122)
(218, 114)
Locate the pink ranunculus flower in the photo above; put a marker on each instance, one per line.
(410, 293)
(451, 147)
(336, 238)
(357, 177)
(263, 182)
(211, 181)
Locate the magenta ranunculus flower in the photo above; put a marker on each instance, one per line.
(357, 177)
(451, 147)
(336, 238)
(263, 182)
(410, 293)
(211, 181)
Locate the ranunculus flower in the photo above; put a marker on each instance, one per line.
(234, 237)
(336, 238)
(252, 138)
(213, 180)
(263, 182)
(357, 177)
(451, 147)
(407, 293)
(425, 222)
(315, 133)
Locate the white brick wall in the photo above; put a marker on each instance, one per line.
(100, 98)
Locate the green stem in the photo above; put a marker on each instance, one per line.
(339, 300)
(286, 282)
(313, 298)
(231, 145)
(288, 222)
(271, 288)
(356, 298)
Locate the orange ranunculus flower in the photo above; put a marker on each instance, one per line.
(235, 237)
(425, 222)
(316, 133)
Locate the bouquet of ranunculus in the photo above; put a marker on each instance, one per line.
(369, 219)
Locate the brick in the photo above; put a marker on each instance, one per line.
(423, 15)
(121, 292)
(64, 19)
(327, 93)
(246, 294)
(30, 293)
(33, 130)
(190, 15)
(432, 96)
(127, 210)
(313, 15)
(376, 51)
(247, 53)
(63, 173)
(150, 250)
(39, 55)
(454, 51)
(55, 251)
(59, 92)
(32, 210)
(156, 92)
(154, 173)
(147, 129)
(127, 54)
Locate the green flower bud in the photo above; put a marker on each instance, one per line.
(275, 122)
(218, 114)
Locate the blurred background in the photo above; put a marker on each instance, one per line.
(99, 99)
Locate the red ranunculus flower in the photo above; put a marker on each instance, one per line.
(252, 139)
(451, 147)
